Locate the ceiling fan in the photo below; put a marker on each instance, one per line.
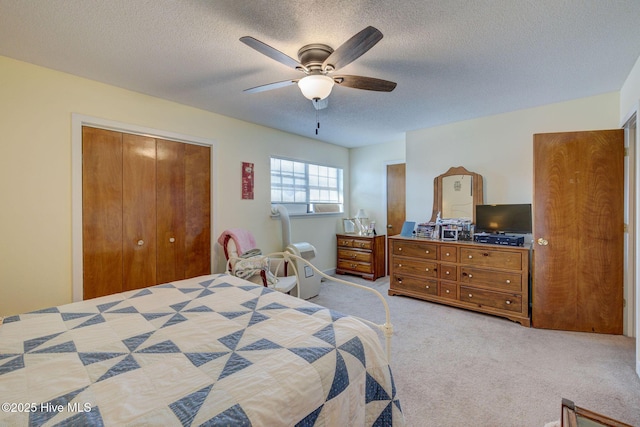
(318, 62)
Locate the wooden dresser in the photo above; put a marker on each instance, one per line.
(361, 255)
(487, 278)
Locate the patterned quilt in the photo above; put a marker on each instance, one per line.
(212, 350)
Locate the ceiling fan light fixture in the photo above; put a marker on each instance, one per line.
(316, 86)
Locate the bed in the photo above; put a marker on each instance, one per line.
(212, 350)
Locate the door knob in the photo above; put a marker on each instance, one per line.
(140, 242)
(543, 242)
(389, 226)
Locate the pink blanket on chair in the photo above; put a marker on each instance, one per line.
(242, 238)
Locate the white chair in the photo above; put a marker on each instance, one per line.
(251, 265)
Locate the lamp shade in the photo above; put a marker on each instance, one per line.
(316, 86)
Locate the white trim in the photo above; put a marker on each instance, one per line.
(630, 194)
(77, 122)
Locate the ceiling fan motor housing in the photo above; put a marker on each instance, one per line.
(313, 55)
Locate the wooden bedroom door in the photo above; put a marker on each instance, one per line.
(578, 231)
(396, 199)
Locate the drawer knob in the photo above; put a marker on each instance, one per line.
(353, 266)
(470, 295)
(427, 287)
(353, 256)
(508, 302)
(399, 280)
(508, 281)
(399, 265)
(470, 256)
(399, 249)
(447, 291)
(172, 239)
(427, 251)
(470, 276)
(140, 242)
(485, 254)
(426, 269)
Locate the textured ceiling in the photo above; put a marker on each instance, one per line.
(453, 60)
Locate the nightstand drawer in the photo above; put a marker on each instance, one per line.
(361, 267)
(353, 255)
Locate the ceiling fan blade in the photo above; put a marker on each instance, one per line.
(353, 48)
(270, 86)
(366, 83)
(272, 53)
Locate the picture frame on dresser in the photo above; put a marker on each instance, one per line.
(349, 226)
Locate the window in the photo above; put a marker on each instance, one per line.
(306, 187)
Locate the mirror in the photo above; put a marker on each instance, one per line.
(456, 194)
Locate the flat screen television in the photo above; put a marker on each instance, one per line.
(514, 219)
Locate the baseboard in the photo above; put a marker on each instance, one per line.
(329, 272)
(638, 368)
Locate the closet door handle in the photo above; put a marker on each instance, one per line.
(140, 242)
(172, 239)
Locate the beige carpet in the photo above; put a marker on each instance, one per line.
(454, 367)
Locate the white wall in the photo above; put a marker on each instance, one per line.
(36, 106)
(499, 147)
(368, 166)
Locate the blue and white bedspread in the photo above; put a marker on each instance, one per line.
(212, 350)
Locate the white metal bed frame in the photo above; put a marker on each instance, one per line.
(286, 257)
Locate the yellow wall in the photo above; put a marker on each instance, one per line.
(36, 106)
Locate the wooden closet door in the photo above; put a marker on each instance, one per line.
(139, 211)
(198, 210)
(578, 231)
(171, 206)
(101, 212)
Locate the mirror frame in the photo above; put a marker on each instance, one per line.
(477, 186)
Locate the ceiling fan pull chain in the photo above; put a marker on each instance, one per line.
(317, 120)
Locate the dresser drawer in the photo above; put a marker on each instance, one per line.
(448, 272)
(489, 258)
(491, 299)
(353, 255)
(415, 267)
(448, 253)
(423, 250)
(448, 290)
(423, 286)
(361, 267)
(496, 279)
